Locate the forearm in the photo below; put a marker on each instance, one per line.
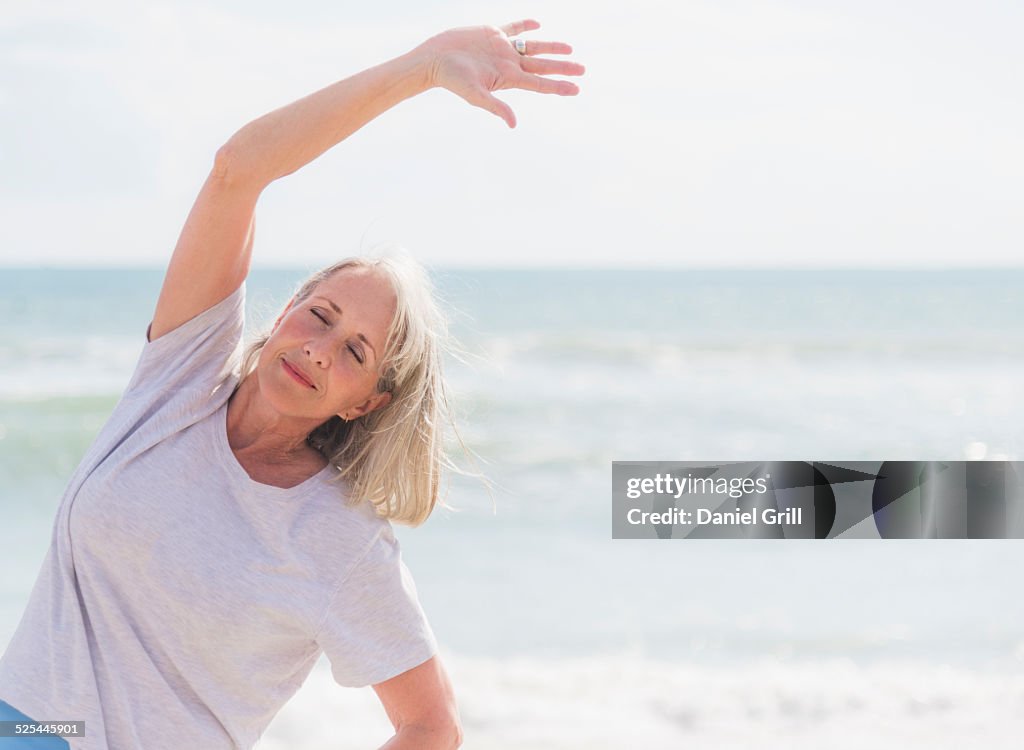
(288, 138)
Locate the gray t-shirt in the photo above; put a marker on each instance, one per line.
(181, 604)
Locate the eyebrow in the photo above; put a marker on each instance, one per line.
(360, 336)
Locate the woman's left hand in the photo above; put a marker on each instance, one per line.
(472, 62)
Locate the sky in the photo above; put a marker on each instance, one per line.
(719, 133)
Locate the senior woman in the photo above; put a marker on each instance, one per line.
(232, 520)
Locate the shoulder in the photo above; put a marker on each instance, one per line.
(340, 531)
(335, 492)
(203, 350)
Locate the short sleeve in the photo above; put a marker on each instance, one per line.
(202, 351)
(375, 628)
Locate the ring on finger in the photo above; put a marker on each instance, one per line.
(520, 45)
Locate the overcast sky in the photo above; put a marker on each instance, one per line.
(712, 133)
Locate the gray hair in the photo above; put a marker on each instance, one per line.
(393, 456)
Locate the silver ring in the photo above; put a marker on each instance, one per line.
(520, 45)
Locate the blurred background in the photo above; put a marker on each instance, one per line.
(762, 231)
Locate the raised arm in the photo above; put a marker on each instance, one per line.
(212, 256)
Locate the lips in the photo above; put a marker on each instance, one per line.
(297, 374)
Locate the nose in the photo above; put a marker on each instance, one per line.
(318, 352)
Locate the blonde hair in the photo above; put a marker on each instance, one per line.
(393, 456)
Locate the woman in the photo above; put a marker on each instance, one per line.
(202, 556)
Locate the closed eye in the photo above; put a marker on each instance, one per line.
(355, 352)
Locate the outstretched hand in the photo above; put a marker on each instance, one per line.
(472, 62)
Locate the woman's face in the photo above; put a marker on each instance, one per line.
(323, 357)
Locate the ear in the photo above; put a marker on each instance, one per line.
(371, 404)
(283, 313)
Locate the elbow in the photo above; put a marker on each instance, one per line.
(445, 735)
(223, 162)
(456, 735)
(450, 736)
(231, 168)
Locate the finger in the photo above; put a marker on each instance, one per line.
(543, 67)
(518, 27)
(541, 85)
(494, 105)
(547, 48)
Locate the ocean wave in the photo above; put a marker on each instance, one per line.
(658, 351)
(102, 366)
(618, 701)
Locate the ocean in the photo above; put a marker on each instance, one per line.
(555, 635)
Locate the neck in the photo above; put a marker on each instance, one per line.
(256, 428)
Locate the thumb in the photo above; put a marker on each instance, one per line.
(486, 100)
